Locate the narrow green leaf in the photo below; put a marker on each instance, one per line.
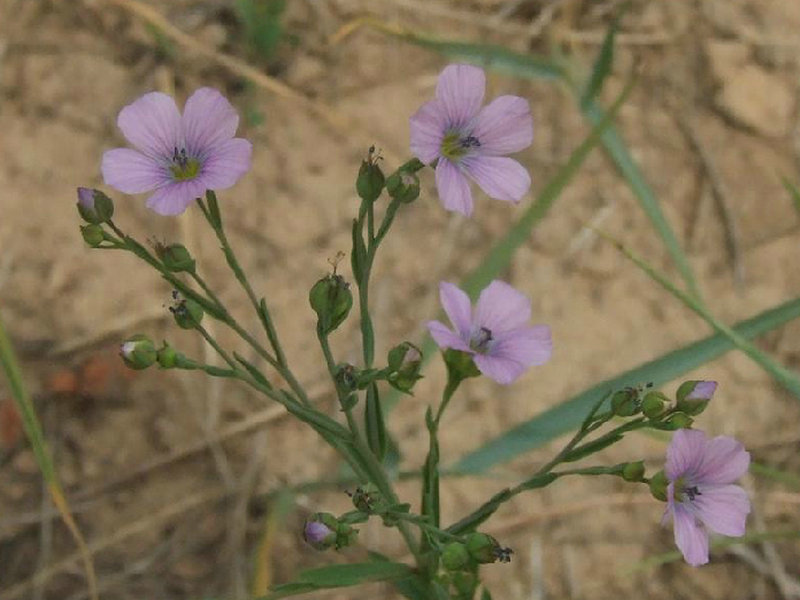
(214, 214)
(252, 369)
(485, 595)
(358, 255)
(430, 474)
(592, 447)
(568, 415)
(490, 56)
(539, 481)
(794, 193)
(619, 153)
(336, 576)
(716, 544)
(374, 424)
(603, 62)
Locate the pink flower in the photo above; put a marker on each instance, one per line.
(178, 156)
(496, 333)
(471, 141)
(700, 494)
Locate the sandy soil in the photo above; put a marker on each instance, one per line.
(175, 494)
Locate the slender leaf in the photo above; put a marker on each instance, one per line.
(374, 424)
(603, 63)
(568, 415)
(716, 544)
(794, 193)
(336, 576)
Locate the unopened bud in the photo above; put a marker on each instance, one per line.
(332, 300)
(403, 186)
(405, 362)
(455, 556)
(320, 531)
(658, 486)
(633, 471)
(138, 352)
(625, 403)
(693, 396)
(678, 421)
(94, 206)
(484, 549)
(93, 235)
(370, 180)
(176, 258)
(653, 404)
(167, 357)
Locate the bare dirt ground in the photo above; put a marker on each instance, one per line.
(173, 478)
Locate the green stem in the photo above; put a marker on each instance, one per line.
(374, 470)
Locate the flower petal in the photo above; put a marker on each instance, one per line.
(453, 188)
(460, 89)
(503, 126)
(208, 119)
(503, 369)
(724, 460)
(684, 453)
(226, 163)
(723, 509)
(528, 346)
(458, 308)
(445, 338)
(500, 177)
(502, 308)
(690, 537)
(131, 172)
(152, 124)
(428, 126)
(174, 198)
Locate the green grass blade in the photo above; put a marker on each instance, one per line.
(782, 375)
(716, 544)
(568, 415)
(628, 168)
(337, 576)
(490, 56)
(603, 62)
(33, 429)
(794, 193)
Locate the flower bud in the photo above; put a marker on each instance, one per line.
(187, 313)
(92, 234)
(405, 362)
(658, 486)
(94, 206)
(694, 396)
(167, 357)
(176, 258)
(653, 404)
(320, 531)
(484, 549)
(633, 471)
(403, 186)
(455, 556)
(332, 300)
(369, 183)
(625, 403)
(138, 352)
(678, 421)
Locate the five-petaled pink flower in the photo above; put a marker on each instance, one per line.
(471, 141)
(178, 156)
(700, 494)
(496, 333)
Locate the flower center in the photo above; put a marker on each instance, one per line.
(684, 492)
(455, 144)
(481, 340)
(183, 167)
